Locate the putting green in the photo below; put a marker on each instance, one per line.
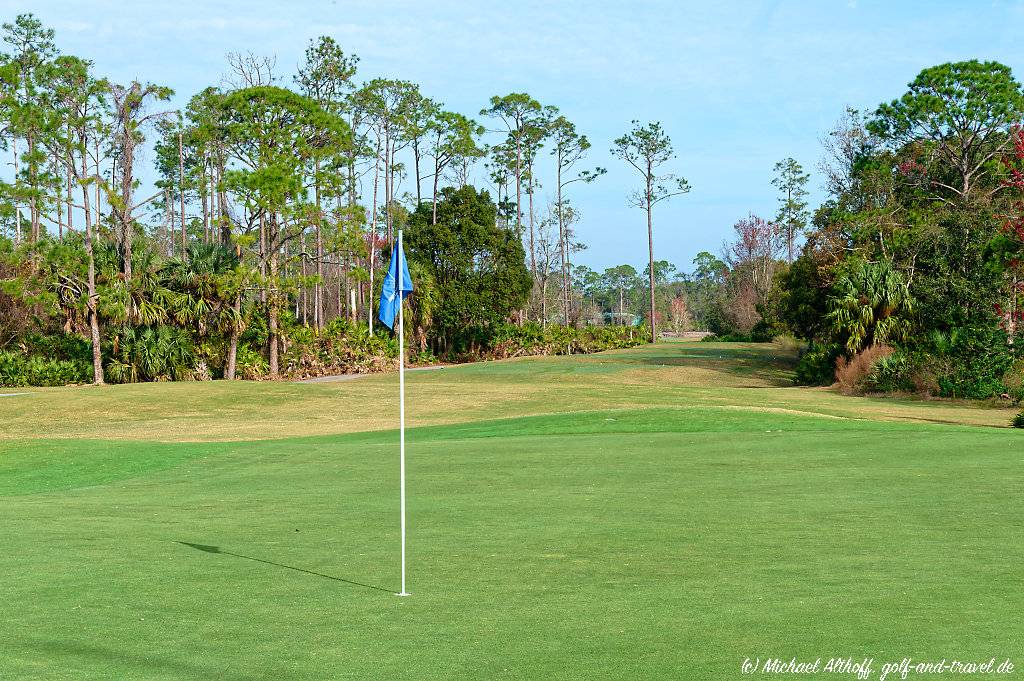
(686, 511)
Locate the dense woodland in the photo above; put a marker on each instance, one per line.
(278, 197)
(908, 278)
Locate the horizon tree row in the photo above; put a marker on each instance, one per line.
(294, 185)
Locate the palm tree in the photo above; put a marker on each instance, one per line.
(142, 299)
(422, 303)
(208, 286)
(870, 304)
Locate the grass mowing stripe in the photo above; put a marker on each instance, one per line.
(30, 466)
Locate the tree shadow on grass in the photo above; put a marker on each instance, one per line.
(57, 652)
(206, 548)
(767, 364)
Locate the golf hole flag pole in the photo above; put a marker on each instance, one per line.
(397, 285)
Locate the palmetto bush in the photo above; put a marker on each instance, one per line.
(962, 362)
(250, 364)
(339, 348)
(17, 369)
(817, 364)
(871, 303)
(151, 353)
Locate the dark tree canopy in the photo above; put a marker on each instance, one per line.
(479, 267)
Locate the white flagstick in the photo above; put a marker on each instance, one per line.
(399, 281)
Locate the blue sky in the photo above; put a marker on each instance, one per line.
(737, 85)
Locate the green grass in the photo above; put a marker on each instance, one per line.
(686, 511)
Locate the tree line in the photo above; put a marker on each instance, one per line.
(908, 277)
(277, 200)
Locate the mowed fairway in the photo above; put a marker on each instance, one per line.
(659, 513)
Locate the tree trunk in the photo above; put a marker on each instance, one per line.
(126, 160)
(391, 196)
(272, 303)
(437, 172)
(519, 185)
(213, 202)
(33, 208)
(58, 202)
(373, 238)
(236, 332)
(304, 291)
(1011, 325)
(544, 304)
(650, 250)
(96, 151)
(533, 250)
(416, 162)
(71, 172)
(17, 208)
(222, 207)
(206, 204)
(94, 325)
(318, 303)
(181, 191)
(562, 245)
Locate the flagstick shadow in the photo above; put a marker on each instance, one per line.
(216, 549)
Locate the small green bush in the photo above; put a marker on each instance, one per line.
(510, 340)
(894, 374)
(1018, 420)
(150, 353)
(1013, 379)
(765, 331)
(817, 364)
(340, 348)
(250, 364)
(967, 362)
(18, 370)
(68, 346)
(732, 338)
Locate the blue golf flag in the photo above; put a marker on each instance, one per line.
(390, 300)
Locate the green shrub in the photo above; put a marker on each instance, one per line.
(894, 374)
(731, 338)
(766, 331)
(339, 348)
(509, 340)
(250, 364)
(68, 346)
(790, 344)
(424, 357)
(1013, 379)
(18, 370)
(968, 362)
(817, 364)
(151, 353)
(1018, 420)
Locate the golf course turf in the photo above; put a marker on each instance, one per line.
(658, 513)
